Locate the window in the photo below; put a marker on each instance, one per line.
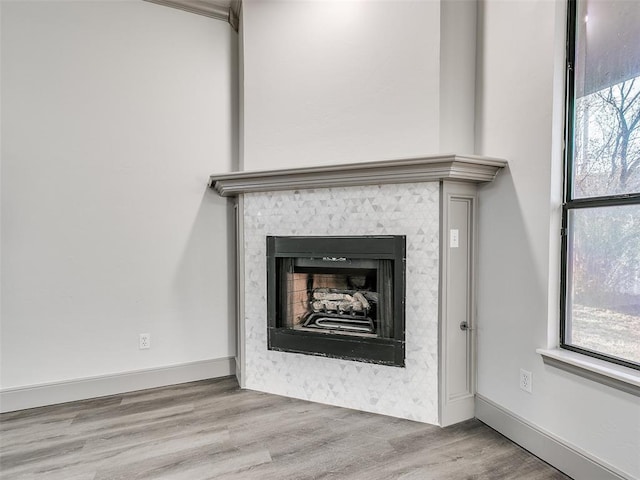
(601, 216)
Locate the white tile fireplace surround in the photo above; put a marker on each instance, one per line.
(418, 198)
(408, 209)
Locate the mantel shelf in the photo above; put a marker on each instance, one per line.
(467, 168)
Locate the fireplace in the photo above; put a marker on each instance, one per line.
(432, 202)
(339, 297)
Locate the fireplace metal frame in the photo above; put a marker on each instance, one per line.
(385, 351)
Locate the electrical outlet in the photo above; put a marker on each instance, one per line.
(144, 341)
(525, 380)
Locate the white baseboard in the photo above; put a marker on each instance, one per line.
(567, 458)
(20, 398)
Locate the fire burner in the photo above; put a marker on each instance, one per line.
(337, 296)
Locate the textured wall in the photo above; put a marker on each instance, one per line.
(409, 209)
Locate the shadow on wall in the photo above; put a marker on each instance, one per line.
(512, 292)
(204, 283)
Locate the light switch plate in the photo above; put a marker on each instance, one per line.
(454, 240)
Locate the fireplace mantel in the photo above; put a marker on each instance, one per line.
(467, 168)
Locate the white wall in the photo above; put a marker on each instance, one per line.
(519, 110)
(457, 59)
(329, 82)
(113, 116)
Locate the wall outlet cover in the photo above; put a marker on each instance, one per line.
(144, 341)
(525, 380)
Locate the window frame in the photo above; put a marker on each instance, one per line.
(569, 203)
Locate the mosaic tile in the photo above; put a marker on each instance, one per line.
(407, 209)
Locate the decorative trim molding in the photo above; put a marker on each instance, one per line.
(609, 374)
(421, 169)
(240, 293)
(220, 10)
(234, 14)
(564, 456)
(31, 396)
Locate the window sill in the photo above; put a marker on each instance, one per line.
(612, 375)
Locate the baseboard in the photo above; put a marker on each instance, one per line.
(567, 458)
(20, 398)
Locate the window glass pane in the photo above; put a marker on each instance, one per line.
(604, 281)
(607, 98)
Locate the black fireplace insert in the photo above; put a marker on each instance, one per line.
(340, 297)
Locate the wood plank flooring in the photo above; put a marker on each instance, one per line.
(214, 430)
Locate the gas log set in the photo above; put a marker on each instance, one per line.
(341, 310)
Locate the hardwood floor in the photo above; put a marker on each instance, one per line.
(212, 429)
